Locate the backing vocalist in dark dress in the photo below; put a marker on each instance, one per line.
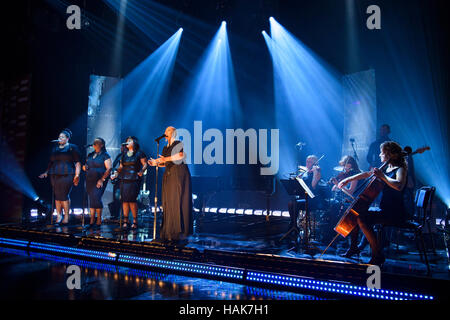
(64, 170)
(98, 167)
(132, 166)
(176, 190)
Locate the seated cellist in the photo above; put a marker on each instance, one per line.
(392, 211)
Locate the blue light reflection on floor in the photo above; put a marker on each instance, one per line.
(43, 276)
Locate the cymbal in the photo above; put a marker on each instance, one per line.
(338, 168)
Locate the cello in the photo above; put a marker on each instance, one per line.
(361, 203)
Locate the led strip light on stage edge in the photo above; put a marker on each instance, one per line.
(223, 272)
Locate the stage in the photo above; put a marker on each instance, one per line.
(264, 133)
(251, 255)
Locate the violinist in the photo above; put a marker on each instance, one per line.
(311, 175)
(392, 211)
(349, 168)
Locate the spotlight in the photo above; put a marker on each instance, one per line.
(271, 19)
(42, 209)
(223, 24)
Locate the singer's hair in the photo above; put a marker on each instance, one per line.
(67, 133)
(351, 160)
(102, 141)
(136, 145)
(395, 153)
(174, 131)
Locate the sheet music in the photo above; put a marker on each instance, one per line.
(304, 186)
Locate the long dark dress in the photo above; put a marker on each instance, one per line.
(176, 197)
(96, 170)
(61, 170)
(129, 179)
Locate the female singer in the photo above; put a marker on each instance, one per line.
(132, 166)
(392, 211)
(176, 190)
(97, 167)
(64, 169)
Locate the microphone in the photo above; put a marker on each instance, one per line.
(352, 140)
(300, 144)
(57, 140)
(159, 138)
(125, 144)
(89, 145)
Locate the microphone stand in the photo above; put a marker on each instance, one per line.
(156, 191)
(84, 206)
(53, 205)
(355, 155)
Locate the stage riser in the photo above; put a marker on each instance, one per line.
(298, 275)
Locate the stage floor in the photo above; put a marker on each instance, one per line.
(37, 277)
(256, 235)
(246, 251)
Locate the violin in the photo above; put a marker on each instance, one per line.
(340, 176)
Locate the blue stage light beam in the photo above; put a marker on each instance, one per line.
(145, 87)
(157, 22)
(416, 101)
(12, 173)
(308, 99)
(118, 45)
(353, 55)
(211, 95)
(155, 25)
(212, 90)
(101, 33)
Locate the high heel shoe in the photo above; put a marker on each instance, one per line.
(59, 219)
(65, 221)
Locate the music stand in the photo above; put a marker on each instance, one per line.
(293, 188)
(299, 187)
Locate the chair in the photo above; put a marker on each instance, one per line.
(423, 202)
